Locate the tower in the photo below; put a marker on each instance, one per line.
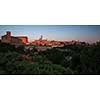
(8, 33)
(41, 37)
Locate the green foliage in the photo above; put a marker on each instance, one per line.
(68, 60)
(6, 47)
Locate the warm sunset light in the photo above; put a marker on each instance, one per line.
(49, 49)
(8, 38)
(88, 33)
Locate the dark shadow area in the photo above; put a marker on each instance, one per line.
(68, 60)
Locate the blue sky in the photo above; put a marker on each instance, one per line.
(87, 33)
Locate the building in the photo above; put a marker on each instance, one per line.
(40, 41)
(45, 42)
(24, 39)
(13, 40)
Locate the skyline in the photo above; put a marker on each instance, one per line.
(87, 33)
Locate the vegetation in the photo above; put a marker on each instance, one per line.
(67, 60)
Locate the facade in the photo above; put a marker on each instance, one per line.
(40, 42)
(13, 40)
(48, 43)
(24, 39)
(45, 42)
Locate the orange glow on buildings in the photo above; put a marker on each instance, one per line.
(45, 42)
(14, 40)
(23, 39)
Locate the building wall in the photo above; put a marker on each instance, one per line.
(23, 39)
(6, 39)
(13, 40)
(16, 40)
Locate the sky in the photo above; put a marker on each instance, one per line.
(87, 33)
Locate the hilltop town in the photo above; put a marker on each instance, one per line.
(20, 56)
(40, 44)
(8, 38)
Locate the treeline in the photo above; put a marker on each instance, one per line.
(79, 59)
(15, 61)
(68, 60)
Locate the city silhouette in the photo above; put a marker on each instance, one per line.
(21, 54)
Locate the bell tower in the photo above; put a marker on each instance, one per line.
(8, 33)
(41, 37)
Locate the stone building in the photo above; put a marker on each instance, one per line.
(13, 40)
